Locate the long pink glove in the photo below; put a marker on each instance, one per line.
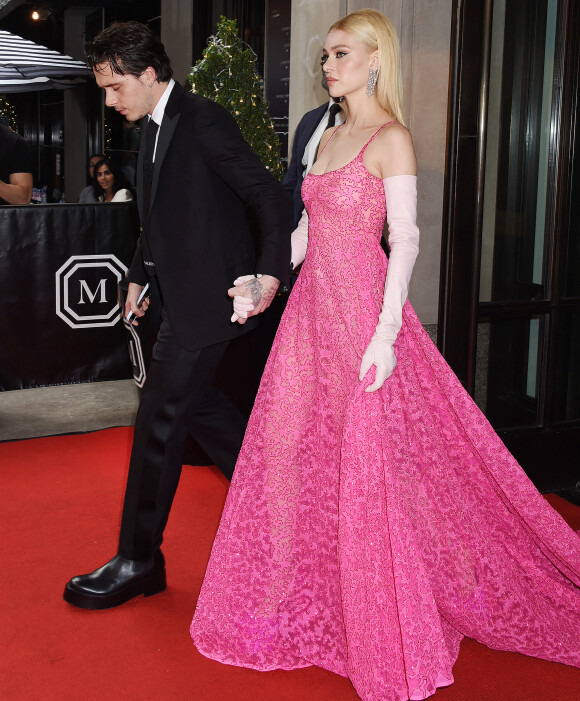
(401, 199)
(299, 240)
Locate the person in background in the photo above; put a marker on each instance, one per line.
(110, 183)
(15, 167)
(87, 195)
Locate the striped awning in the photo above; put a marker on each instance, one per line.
(26, 66)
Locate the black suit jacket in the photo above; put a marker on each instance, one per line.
(196, 230)
(294, 175)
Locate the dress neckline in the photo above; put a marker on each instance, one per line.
(359, 154)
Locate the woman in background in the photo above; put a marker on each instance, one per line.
(110, 185)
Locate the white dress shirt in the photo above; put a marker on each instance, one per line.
(312, 146)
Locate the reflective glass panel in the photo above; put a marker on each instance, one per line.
(518, 150)
(567, 390)
(508, 371)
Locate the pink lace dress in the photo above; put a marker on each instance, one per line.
(367, 533)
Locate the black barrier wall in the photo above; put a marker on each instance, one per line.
(59, 270)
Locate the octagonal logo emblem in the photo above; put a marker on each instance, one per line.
(86, 291)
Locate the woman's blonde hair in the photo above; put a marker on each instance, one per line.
(377, 32)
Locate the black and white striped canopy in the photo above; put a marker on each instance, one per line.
(26, 66)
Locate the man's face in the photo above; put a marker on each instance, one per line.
(130, 96)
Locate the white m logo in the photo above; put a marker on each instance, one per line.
(81, 291)
(92, 297)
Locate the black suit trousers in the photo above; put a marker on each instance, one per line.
(177, 399)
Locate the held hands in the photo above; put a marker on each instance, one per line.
(252, 295)
(131, 304)
(382, 356)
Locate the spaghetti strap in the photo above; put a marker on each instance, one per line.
(357, 158)
(329, 140)
(393, 121)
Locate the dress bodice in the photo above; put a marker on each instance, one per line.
(346, 208)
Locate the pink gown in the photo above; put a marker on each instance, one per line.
(367, 533)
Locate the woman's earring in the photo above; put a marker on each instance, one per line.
(372, 81)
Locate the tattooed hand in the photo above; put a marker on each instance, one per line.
(252, 295)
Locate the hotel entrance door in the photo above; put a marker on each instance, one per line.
(510, 312)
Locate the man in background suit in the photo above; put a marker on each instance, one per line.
(195, 173)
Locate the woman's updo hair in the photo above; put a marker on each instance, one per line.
(377, 32)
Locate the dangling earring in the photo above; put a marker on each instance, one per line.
(372, 81)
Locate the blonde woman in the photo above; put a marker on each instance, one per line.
(375, 518)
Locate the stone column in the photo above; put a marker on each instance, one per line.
(426, 46)
(176, 35)
(310, 22)
(424, 28)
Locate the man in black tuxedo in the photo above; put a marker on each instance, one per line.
(195, 174)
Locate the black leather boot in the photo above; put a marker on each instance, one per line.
(117, 582)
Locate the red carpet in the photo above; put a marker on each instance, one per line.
(61, 503)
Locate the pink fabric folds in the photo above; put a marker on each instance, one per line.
(368, 533)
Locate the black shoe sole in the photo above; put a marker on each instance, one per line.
(148, 587)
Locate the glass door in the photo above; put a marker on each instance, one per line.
(518, 191)
(520, 344)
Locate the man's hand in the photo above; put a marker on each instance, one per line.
(252, 295)
(131, 304)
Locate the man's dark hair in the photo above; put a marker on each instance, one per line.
(129, 48)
